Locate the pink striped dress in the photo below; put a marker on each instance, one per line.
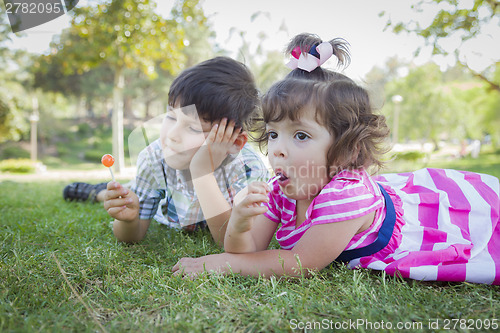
(447, 222)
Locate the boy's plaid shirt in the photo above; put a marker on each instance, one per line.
(168, 196)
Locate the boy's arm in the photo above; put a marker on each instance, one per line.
(123, 205)
(222, 139)
(130, 232)
(213, 204)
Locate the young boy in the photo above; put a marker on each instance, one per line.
(189, 176)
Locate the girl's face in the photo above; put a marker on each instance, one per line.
(297, 150)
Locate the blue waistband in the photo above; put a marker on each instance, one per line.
(383, 237)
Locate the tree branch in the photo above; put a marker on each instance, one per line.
(493, 85)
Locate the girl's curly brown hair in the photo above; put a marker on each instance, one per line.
(343, 107)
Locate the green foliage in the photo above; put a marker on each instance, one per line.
(17, 166)
(85, 142)
(488, 162)
(84, 129)
(423, 108)
(13, 109)
(453, 20)
(197, 30)
(8, 151)
(412, 156)
(438, 105)
(50, 74)
(13, 87)
(94, 155)
(450, 18)
(4, 116)
(123, 34)
(378, 77)
(266, 66)
(5, 35)
(131, 37)
(126, 35)
(270, 71)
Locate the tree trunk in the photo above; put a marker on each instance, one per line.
(147, 106)
(89, 107)
(127, 107)
(117, 121)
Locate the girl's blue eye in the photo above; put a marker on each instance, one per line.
(301, 136)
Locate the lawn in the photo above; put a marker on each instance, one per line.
(62, 270)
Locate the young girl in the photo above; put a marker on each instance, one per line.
(322, 140)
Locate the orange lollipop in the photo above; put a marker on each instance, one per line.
(108, 160)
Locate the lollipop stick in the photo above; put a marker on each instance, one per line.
(112, 175)
(272, 180)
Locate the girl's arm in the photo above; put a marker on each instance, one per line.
(317, 248)
(248, 229)
(253, 240)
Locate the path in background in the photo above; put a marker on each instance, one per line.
(89, 176)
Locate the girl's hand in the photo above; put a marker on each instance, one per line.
(192, 267)
(121, 203)
(249, 207)
(215, 149)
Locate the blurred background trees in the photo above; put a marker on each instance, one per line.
(13, 76)
(117, 60)
(462, 102)
(455, 29)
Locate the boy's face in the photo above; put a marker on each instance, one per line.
(182, 134)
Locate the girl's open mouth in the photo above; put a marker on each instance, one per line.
(281, 176)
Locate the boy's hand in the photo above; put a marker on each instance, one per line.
(249, 207)
(215, 149)
(121, 203)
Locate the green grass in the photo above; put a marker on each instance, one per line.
(488, 162)
(120, 287)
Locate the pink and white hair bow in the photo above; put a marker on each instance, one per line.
(307, 61)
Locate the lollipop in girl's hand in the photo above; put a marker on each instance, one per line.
(108, 160)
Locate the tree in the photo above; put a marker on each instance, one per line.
(13, 121)
(198, 35)
(491, 103)
(123, 34)
(377, 78)
(449, 105)
(266, 66)
(454, 20)
(50, 76)
(424, 110)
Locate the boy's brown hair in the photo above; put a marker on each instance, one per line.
(219, 88)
